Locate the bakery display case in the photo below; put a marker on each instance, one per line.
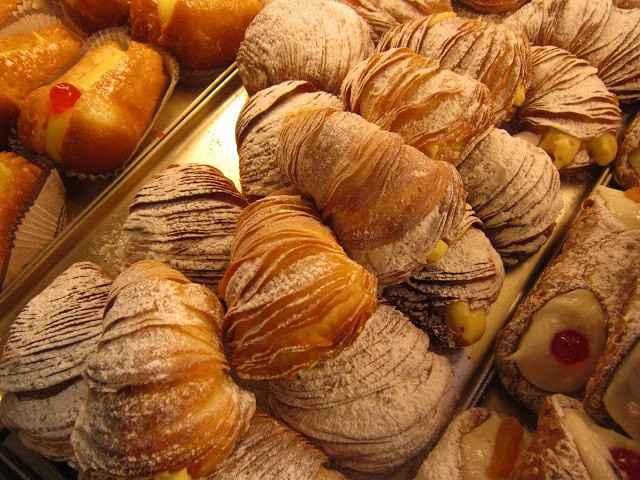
(397, 262)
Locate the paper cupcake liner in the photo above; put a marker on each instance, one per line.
(40, 222)
(122, 37)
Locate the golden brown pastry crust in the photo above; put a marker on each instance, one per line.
(313, 40)
(490, 53)
(594, 30)
(34, 59)
(368, 185)
(294, 297)
(493, 6)
(160, 395)
(23, 179)
(441, 113)
(7, 9)
(201, 34)
(381, 15)
(130, 93)
(94, 15)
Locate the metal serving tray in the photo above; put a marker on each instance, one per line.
(205, 133)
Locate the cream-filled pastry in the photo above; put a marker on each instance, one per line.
(93, 15)
(91, 118)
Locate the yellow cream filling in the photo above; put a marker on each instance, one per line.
(438, 252)
(561, 146)
(634, 161)
(165, 10)
(440, 17)
(520, 96)
(469, 324)
(603, 149)
(181, 475)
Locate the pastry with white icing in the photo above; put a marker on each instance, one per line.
(478, 445)
(185, 216)
(388, 204)
(569, 445)
(293, 296)
(313, 40)
(627, 166)
(613, 394)
(558, 334)
(160, 399)
(376, 404)
(258, 132)
(44, 357)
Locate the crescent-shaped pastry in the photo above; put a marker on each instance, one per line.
(515, 190)
(594, 30)
(612, 395)
(271, 451)
(557, 335)
(294, 297)
(160, 395)
(571, 109)
(441, 113)
(186, 216)
(479, 444)
(382, 15)
(45, 355)
(450, 298)
(313, 40)
(258, 132)
(376, 404)
(627, 165)
(490, 53)
(493, 6)
(568, 445)
(388, 204)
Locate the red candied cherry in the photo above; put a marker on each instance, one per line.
(570, 347)
(628, 461)
(63, 96)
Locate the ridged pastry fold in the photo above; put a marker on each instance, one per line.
(272, 451)
(496, 56)
(313, 40)
(376, 404)
(382, 15)
(441, 113)
(258, 132)
(185, 216)
(44, 357)
(160, 395)
(293, 295)
(595, 30)
(387, 203)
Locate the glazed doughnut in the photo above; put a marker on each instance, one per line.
(91, 118)
(201, 35)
